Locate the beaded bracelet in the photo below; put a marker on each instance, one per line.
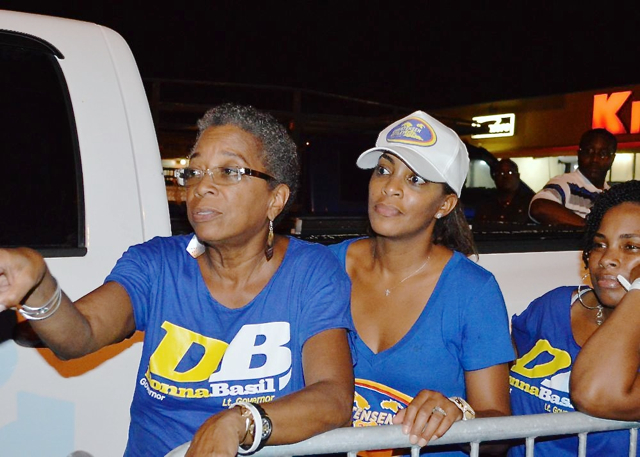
(46, 310)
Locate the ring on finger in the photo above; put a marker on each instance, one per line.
(437, 409)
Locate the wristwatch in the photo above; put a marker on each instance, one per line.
(467, 411)
(267, 426)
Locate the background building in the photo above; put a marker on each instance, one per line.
(541, 134)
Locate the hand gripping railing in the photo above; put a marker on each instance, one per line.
(530, 427)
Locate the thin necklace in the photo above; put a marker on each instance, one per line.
(599, 307)
(388, 291)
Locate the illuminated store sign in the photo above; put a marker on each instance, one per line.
(606, 109)
(497, 124)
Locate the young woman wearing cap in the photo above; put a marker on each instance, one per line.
(433, 342)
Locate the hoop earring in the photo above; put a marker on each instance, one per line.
(599, 307)
(268, 252)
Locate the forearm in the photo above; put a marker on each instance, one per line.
(67, 332)
(25, 281)
(488, 393)
(500, 410)
(493, 413)
(604, 380)
(74, 330)
(550, 212)
(328, 403)
(327, 400)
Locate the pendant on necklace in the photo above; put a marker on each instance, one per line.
(599, 316)
(388, 291)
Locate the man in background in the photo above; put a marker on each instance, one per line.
(567, 199)
(510, 202)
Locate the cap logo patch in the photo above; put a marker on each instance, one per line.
(412, 131)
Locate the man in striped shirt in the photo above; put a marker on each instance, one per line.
(567, 199)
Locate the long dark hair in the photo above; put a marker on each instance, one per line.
(628, 191)
(452, 231)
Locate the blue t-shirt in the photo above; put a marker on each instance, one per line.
(540, 377)
(463, 327)
(200, 357)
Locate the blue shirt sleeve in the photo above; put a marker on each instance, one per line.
(328, 294)
(135, 271)
(485, 329)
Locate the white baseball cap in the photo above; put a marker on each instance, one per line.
(430, 148)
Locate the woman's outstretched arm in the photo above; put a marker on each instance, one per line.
(100, 318)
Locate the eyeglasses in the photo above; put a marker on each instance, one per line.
(599, 153)
(221, 176)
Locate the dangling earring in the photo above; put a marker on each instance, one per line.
(599, 307)
(268, 252)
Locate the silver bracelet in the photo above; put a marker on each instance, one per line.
(257, 423)
(46, 310)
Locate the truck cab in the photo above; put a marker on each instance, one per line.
(82, 182)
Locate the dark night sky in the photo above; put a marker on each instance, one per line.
(422, 54)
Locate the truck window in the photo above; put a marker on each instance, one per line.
(41, 187)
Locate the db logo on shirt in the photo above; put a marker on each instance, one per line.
(260, 345)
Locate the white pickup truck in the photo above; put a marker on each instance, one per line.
(82, 182)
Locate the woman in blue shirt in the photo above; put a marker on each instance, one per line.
(433, 341)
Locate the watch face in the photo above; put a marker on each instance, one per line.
(467, 410)
(266, 427)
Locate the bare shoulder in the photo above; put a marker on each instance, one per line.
(359, 254)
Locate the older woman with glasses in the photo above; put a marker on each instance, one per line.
(245, 332)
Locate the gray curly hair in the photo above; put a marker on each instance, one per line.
(279, 152)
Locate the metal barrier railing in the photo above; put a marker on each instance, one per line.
(474, 432)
